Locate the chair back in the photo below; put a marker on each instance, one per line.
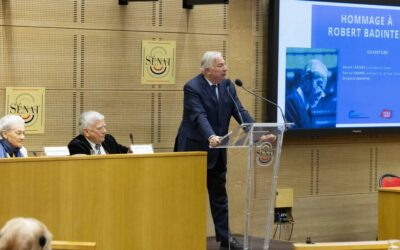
(389, 180)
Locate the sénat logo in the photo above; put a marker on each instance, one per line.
(26, 107)
(29, 104)
(158, 62)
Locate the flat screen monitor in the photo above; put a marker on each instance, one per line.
(335, 65)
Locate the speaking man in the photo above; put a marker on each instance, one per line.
(210, 101)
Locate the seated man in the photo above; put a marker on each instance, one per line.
(93, 138)
(25, 234)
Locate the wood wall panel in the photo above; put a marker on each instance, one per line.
(388, 159)
(172, 17)
(169, 118)
(260, 17)
(208, 19)
(112, 59)
(297, 170)
(110, 15)
(335, 217)
(58, 121)
(38, 13)
(36, 57)
(337, 167)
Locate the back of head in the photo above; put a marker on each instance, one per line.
(25, 234)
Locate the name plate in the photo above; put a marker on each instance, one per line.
(142, 149)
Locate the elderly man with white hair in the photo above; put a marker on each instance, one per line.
(12, 129)
(210, 100)
(93, 138)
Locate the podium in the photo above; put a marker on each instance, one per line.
(263, 142)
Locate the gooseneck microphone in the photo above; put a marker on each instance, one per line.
(131, 136)
(239, 83)
(228, 85)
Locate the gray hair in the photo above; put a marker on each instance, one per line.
(25, 233)
(314, 66)
(9, 122)
(208, 59)
(88, 118)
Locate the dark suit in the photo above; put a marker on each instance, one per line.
(204, 115)
(296, 112)
(79, 145)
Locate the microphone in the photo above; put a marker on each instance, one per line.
(131, 136)
(228, 85)
(239, 83)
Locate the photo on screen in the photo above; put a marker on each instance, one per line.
(311, 92)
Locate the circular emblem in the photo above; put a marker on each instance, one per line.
(26, 108)
(265, 154)
(158, 64)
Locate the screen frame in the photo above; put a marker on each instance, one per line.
(273, 62)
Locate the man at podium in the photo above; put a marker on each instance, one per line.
(210, 101)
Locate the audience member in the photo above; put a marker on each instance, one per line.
(25, 234)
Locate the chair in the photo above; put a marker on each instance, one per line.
(72, 245)
(389, 180)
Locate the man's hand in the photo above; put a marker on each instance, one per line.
(214, 141)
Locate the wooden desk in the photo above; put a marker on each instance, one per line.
(389, 213)
(354, 245)
(117, 201)
(72, 245)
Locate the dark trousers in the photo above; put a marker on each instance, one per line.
(216, 181)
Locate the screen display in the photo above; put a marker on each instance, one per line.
(337, 64)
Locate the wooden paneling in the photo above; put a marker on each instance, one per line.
(38, 13)
(36, 57)
(59, 119)
(87, 55)
(336, 171)
(335, 217)
(209, 19)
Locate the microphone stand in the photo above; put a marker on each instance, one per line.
(287, 125)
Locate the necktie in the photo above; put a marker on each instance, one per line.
(214, 88)
(98, 152)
